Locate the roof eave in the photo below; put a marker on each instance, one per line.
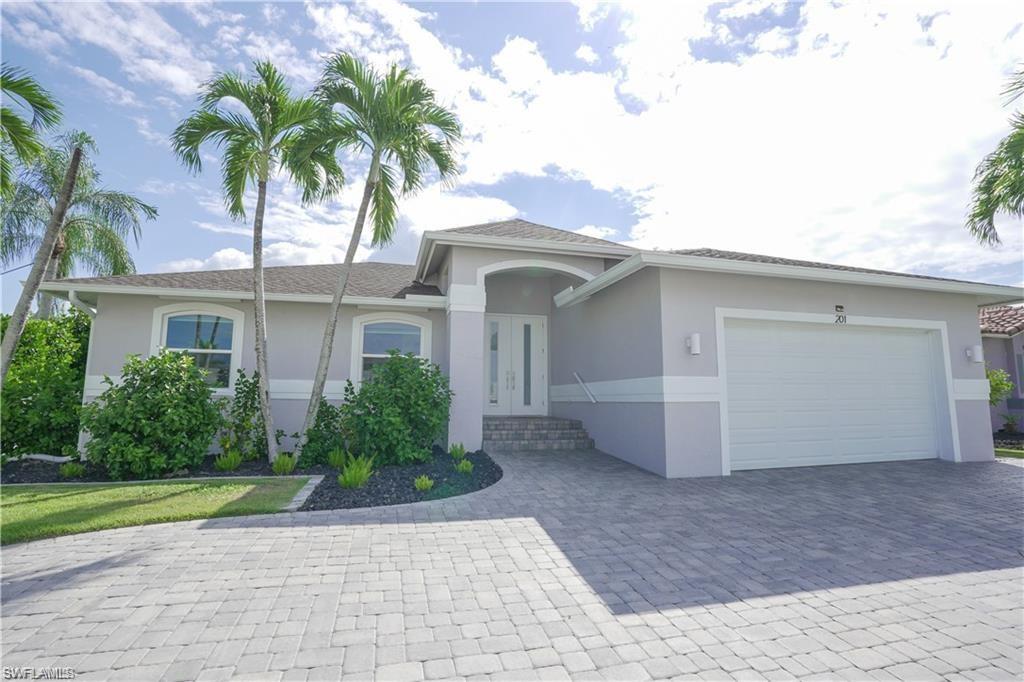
(432, 239)
(410, 301)
(987, 294)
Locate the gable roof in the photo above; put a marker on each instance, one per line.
(736, 263)
(757, 258)
(379, 280)
(517, 228)
(1006, 319)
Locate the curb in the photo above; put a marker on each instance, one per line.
(304, 492)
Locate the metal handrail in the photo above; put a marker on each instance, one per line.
(583, 385)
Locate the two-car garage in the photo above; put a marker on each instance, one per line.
(807, 393)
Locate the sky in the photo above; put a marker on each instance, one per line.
(844, 132)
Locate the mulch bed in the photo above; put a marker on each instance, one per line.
(393, 484)
(37, 471)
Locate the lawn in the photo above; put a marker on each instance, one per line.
(31, 512)
(1003, 452)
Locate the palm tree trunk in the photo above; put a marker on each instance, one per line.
(28, 292)
(46, 301)
(260, 318)
(327, 345)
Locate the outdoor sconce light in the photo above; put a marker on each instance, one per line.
(693, 343)
(976, 354)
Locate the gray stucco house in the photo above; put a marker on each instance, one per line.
(685, 363)
(1002, 332)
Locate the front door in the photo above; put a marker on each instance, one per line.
(515, 365)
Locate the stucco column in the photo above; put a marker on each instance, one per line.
(466, 364)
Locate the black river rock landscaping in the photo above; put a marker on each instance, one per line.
(388, 485)
(394, 484)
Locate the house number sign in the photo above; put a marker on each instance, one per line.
(840, 315)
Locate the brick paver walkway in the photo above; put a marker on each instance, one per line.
(575, 565)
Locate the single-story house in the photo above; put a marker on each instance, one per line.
(686, 363)
(1002, 335)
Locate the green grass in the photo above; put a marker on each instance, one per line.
(46, 510)
(1003, 452)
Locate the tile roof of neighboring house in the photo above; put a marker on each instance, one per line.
(386, 280)
(524, 229)
(755, 258)
(1005, 319)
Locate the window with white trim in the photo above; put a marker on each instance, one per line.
(210, 333)
(208, 339)
(376, 334)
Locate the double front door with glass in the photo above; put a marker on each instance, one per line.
(515, 364)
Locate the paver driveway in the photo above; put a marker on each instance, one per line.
(574, 565)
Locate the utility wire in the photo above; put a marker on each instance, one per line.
(20, 267)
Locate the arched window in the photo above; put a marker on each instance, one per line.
(210, 334)
(374, 335)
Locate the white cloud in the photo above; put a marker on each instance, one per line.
(145, 128)
(586, 53)
(206, 12)
(850, 138)
(33, 36)
(592, 12)
(224, 259)
(148, 49)
(597, 231)
(304, 67)
(108, 88)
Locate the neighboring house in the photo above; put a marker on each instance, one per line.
(685, 363)
(1002, 332)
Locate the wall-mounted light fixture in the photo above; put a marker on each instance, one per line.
(976, 354)
(693, 343)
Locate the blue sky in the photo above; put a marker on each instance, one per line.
(844, 132)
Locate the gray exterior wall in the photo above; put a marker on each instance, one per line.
(124, 326)
(1001, 353)
(615, 335)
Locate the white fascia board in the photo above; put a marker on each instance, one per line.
(415, 301)
(443, 237)
(993, 293)
(570, 297)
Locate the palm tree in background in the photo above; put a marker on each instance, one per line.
(17, 134)
(255, 123)
(999, 178)
(395, 120)
(96, 226)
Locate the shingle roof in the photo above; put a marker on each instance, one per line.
(756, 258)
(524, 229)
(1006, 319)
(386, 280)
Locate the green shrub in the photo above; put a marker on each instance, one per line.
(1010, 423)
(423, 483)
(999, 385)
(72, 470)
(324, 438)
(464, 466)
(161, 418)
(283, 465)
(458, 450)
(356, 471)
(228, 461)
(243, 429)
(42, 395)
(336, 458)
(398, 412)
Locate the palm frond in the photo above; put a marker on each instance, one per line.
(998, 185)
(384, 206)
(18, 84)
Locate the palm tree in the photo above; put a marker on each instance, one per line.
(94, 230)
(257, 140)
(17, 134)
(395, 119)
(999, 178)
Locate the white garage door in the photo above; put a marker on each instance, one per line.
(803, 394)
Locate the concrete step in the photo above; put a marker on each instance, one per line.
(535, 433)
(538, 445)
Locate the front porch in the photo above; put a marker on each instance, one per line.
(516, 434)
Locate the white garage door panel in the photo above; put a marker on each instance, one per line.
(805, 394)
